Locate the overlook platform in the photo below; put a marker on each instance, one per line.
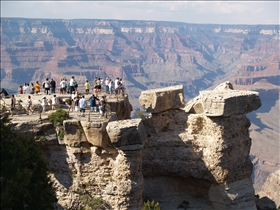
(20, 112)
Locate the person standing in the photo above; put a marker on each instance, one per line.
(107, 85)
(20, 90)
(46, 85)
(52, 86)
(77, 105)
(99, 85)
(24, 88)
(54, 102)
(71, 84)
(32, 89)
(83, 105)
(44, 103)
(62, 86)
(92, 103)
(29, 104)
(110, 85)
(27, 89)
(87, 87)
(37, 87)
(117, 88)
(13, 105)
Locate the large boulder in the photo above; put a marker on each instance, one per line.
(95, 133)
(224, 101)
(74, 133)
(127, 135)
(162, 99)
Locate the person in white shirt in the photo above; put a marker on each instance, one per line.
(24, 88)
(46, 85)
(44, 103)
(83, 105)
(27, 89)
(62, 86)
(71, 84)
(107, 85)
(54, 102)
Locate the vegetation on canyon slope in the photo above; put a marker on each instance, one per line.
(24, 181)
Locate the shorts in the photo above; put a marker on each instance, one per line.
(83, 110)
(77, 108)
(12, 108)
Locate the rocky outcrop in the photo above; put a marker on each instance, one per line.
(158, 100)
(127, 135)
(223, 101)
(212, 148)
(192, 158)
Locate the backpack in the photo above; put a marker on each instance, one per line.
(44, 85)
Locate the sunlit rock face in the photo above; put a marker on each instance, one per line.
(207, 151)
(178, 152)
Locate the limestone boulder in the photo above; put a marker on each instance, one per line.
(41, 130)
(74, 133)
(127, 135)
(162, 99)
(95, 133)
(224, 101)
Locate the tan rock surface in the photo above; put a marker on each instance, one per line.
(158, 100)
(127, 135)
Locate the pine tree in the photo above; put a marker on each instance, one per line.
(24, 181)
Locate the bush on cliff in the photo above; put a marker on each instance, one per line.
(24, 181)
(58, 117)
(151, 205)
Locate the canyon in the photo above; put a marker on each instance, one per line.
(151, 54)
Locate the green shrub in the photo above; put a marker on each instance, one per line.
(140, 114)
(58, 117)
(91, 202)
(61, 134)
(24, 180)
(151, 205)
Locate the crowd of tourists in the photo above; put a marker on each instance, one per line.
(78, 103)
(68, 87)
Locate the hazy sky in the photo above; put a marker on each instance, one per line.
(220, 12)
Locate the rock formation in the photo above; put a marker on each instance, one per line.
(206, 147)
(197, 156)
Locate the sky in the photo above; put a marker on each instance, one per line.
(213, 12)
